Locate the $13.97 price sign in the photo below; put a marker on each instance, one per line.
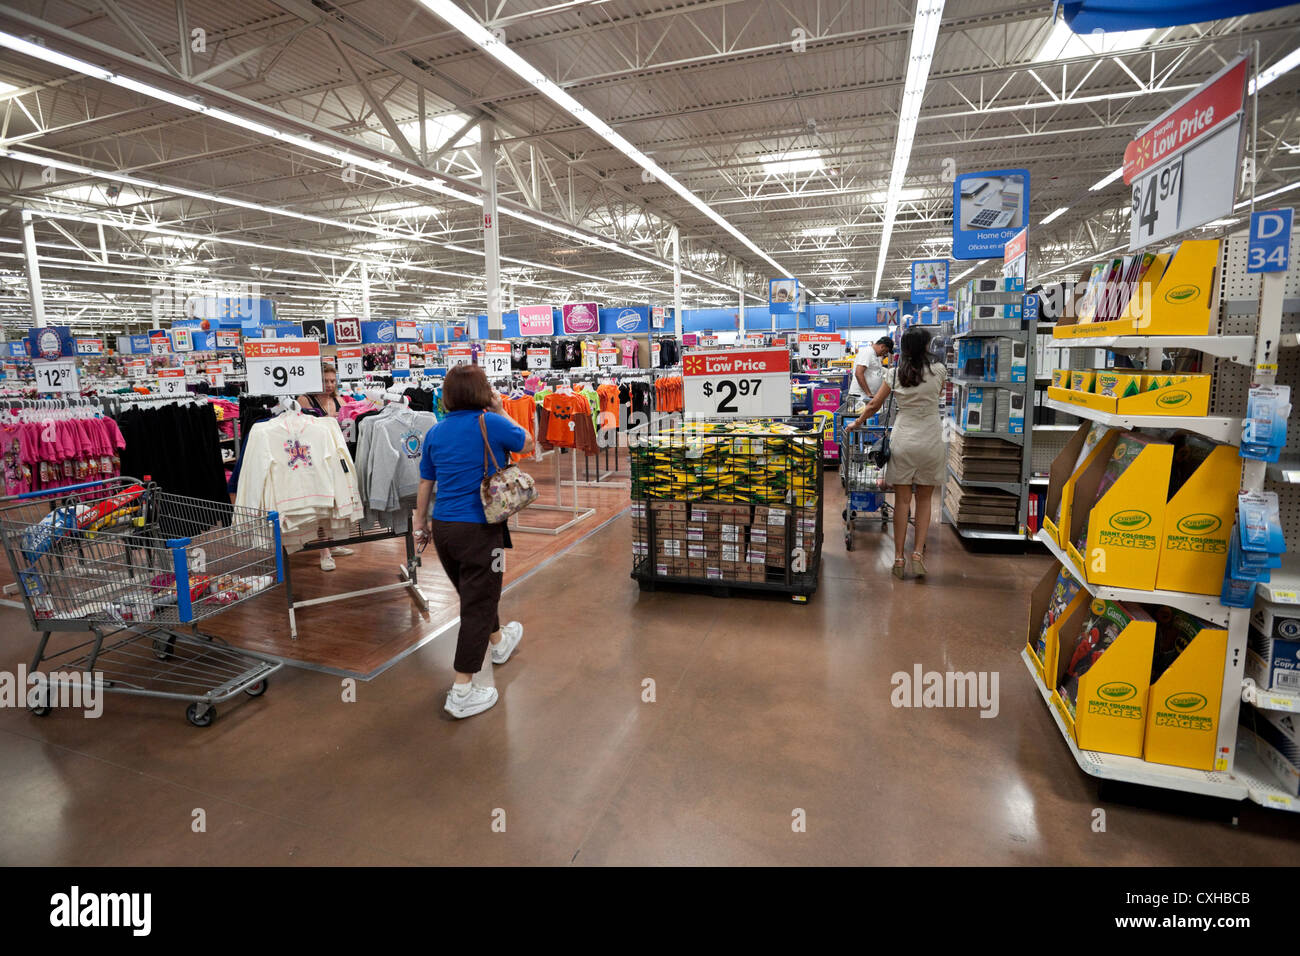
(744, 383)
(56, 376)
(283, 366)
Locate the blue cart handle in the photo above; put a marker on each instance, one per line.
(47, 492)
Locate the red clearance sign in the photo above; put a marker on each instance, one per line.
(747, 362)
(1204, 111)
(277, 348)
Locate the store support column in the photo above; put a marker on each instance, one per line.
(491, 235)
(677, 282)
(740, 312)
(34, 293)
(365, 292)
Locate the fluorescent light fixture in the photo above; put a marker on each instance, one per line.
(925, 33)
(795, 161)
(1284, 65)
(1054, 215)
(1216, 223)
(937, 241)
(1064, 44)
(1106, 180)
(819, 231)
(904, 195)
(962, 275)
(483, 38)
(1268, 195)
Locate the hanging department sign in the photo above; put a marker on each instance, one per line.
(929, 281)
(347, 331)
(820, 345)
(536, 320)
(283, 366)
(1183, 167)
(743, 383)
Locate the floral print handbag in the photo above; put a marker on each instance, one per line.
(504, 491)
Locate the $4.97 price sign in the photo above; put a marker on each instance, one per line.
(1155, 205)
(745, 383)
(283, 366)
(56, 376)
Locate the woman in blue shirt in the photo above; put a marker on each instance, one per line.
(471, 550)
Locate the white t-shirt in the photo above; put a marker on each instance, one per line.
(875, 373)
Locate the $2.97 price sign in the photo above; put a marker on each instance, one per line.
(745, 383)
(283, 366)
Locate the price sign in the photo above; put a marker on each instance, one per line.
(657, 316)
(405, 331)
(539, 358)
(458, 355)
(171, 382)
(283, 366)
(402, 361)
(90, 346)
(607, 357)
(496, 358)
(1156, 199)
(348, 362)
(227, 338)
(11, 370)
(820, 345)
(707, 341)
(754, 338)
(137, 368)
(57, 376)
(227, 366)
(745, 383)
(215, 374)
(655, 349)
(158, 343)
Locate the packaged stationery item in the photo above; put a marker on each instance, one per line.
(1063, 593)
(1263, 433)
(1105, 621)
(1127, 448)
(1260, 523)
(1174, 631)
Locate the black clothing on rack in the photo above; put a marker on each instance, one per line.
(177, 446)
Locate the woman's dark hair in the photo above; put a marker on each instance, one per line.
(912, 357)
(466, 388)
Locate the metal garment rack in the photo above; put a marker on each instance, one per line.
(579, 513)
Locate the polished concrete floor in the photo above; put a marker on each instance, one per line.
(764, 713)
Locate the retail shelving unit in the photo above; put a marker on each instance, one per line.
(1020, 488)
(1254, 316)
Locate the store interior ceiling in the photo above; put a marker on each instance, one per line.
(304, 148)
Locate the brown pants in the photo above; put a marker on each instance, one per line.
(473, 558)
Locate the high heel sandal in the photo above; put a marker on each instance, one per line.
(899, 569)
(918, 564)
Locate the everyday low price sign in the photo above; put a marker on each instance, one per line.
(171, 382)
(820, 345)
(496, 358)
(742, 383)
(458, 355)
(283, 366)
(347, 362)
(539, 358)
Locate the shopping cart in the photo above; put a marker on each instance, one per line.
(864, 483)
(133, 565)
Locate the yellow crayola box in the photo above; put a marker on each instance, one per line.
(1104, 677)
(1060, 484)
(1198, 523)
(1053, 602)
(1083, 380)
(1187, 395)
(1119, 383)
(1154, 380)
(1122, 529)
(1182, 727)
(1060, 378)
(1185, 298)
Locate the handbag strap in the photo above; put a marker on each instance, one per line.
(487, 446)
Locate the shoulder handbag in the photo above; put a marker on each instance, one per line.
(878, 454)
(503, 491)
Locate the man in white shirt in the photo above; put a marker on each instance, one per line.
(868, 373)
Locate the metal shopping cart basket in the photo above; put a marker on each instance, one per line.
(134, 565)
(864, 483)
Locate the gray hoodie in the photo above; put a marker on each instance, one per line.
(388, 462)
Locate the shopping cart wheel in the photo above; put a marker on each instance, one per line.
(257, 690)
(40, 710)
(848, 542)
(200, 719)
(844, 515)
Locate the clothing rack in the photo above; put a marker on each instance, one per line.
(579, 513)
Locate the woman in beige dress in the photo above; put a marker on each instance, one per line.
(916, 441)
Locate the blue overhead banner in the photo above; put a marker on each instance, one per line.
(929, 281)
(51, 342)
(1085, 16)
(784, 296)
(625, 320)
(988, 209)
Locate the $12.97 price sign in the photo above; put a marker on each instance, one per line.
(56, 376)
(744, 383)
(283, 366)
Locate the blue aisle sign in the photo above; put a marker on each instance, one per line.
(1270, 240)
(1031, 308)
(988, 209)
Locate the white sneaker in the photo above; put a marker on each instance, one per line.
(511, 635)
(343, 551)
(326, 561)
(474, 700)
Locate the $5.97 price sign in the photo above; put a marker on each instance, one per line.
(283, 366)
(820, 345)
(744, 383)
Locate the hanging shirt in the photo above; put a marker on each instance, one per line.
(629, 353)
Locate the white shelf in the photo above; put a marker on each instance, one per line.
(1202, 605)
(1237, 348)
(1261, 786)
(1016, 438)
(1056, 428)
(1135, 770)
(980, 383)
(1035, 480)
(1270, 699)
(1286, 469)
(1284, 586)
(1226, 430)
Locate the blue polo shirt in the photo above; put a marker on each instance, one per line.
(453, 457)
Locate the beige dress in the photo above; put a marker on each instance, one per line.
(917, 452)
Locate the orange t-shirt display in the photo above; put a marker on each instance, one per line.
(562, 409)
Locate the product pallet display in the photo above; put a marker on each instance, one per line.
(729, 505)
(1143, 665)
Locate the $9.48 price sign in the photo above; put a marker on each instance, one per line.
(283, 366)
(744, 383)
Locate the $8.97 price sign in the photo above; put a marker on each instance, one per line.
(283, 366)
(745, 383)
